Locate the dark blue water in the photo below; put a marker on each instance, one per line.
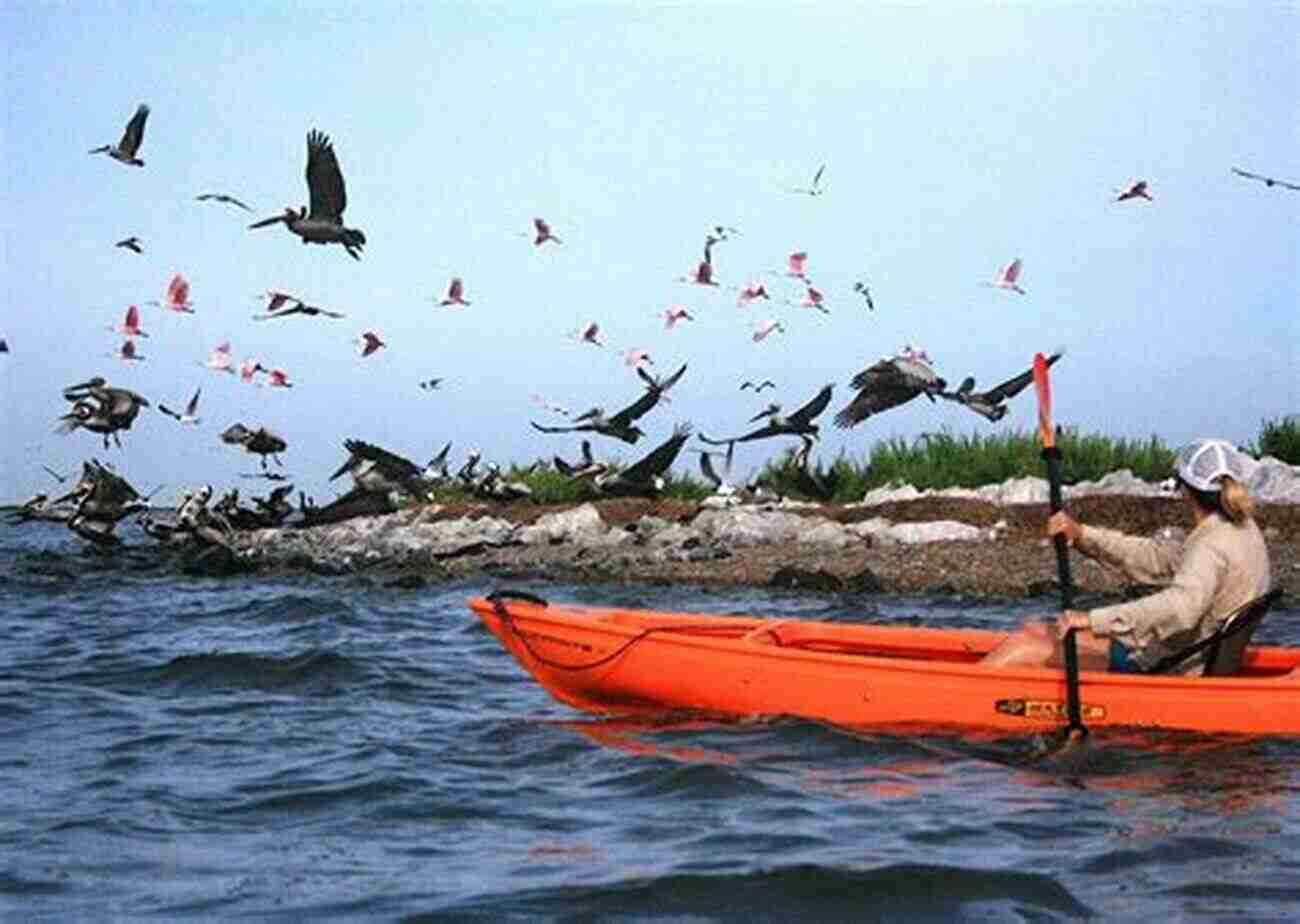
(313, 749)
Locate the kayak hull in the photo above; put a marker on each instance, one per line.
(612, 661)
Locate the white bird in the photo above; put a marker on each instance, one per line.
(1008, 277)
(191, 415)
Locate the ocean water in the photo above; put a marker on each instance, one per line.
(346, 748)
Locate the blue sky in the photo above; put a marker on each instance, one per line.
(954, 139)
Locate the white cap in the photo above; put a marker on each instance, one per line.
(1202, 462)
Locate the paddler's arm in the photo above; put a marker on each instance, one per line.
(1147, 561)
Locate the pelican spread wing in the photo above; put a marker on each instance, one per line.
(324, 180)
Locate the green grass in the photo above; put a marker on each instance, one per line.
(1279, 438)
(935, 460)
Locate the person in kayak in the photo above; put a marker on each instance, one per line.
(1222, 564)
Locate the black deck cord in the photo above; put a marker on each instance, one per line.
(497, 597)
(1227, 629)
(1074, 710)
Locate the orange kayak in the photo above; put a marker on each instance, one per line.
(639, 662)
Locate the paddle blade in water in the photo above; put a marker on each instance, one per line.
(1044, 390)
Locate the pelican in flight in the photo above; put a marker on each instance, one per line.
(125, 150)
(797, 424)
(992, 403)
(645, 477)
(322, 223)
(260, 442)
(621, 426)
(101, 408)
(888, 383)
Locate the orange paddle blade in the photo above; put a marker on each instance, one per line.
(1044, 389)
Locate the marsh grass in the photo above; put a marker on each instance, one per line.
(934, 460)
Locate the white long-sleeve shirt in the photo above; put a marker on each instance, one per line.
(1218, 568)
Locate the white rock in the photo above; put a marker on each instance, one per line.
(580, 524)
(744, 527)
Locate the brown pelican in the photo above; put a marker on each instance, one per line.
(992, 403)
(323, 223)
(221, 197)
(888, 383)
(1266, 180)
(466, 474)
(494, 486)
(100, 408)
(645, 476)
(260, 442)
(103, 498)
(131, 243)
(378, 471)
(586, 467)
(132, 138)
(620, 425)
(796, 424)
(810, 481)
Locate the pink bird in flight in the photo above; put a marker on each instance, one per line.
(752, 290)
(126, 351)
(178, 295)
(219, 359)
(278, 378)
(455, 293)
(636, 357)
(675, 313)
(763, 328)
(248, 370)
(130, 325)
(1007, 277)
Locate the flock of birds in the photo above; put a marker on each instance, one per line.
(381, 479)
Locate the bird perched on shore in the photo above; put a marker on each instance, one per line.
(101, 408)
(125, 150)
(261, 442)
(796, 424)
(322, 221)
(992, 403)
(722, 486)
(645, 477)
(221, 197)
(436, 469)
(889, 382)
(583, 467)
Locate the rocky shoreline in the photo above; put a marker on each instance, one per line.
(935, 544)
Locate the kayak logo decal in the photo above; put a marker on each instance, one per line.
(1045, 709)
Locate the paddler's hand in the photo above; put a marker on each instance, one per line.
(1072, 619)
(1062, 524)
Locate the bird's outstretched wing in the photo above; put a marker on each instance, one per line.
(133, 137)
(324, 180)
(1016, 384)
(1266, 180)
(637, 408)
(222, 197)
(400, 466)
(809, 411)
(543, 429)
(168, 411)
(658, 460)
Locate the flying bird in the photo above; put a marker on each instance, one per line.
(992, 403)
(323, 223)
(796, 265)
(219, 359)
(645, 477)
(796, 424)
(131, 243)
(674, 313)
(191, 415)
(636, 357)
(815, 188)
(658, 385)
(888, 383)
(431, 384)
(621, 426)
(221, 197)
(369, 342)
(261, 442)
(722, 485)
(543, 233)
(276, 300)
(302, 308)
(1135, 190)
(125, 150)
(130, 326)
(861, 289)
(813, 298)
(177, 297)
(4, 345)
(757, 386)
(455, 293)
(278, 378)
(771, 410)
(752, 290)
(127, 352)
(589, 333)
(55, 475)
(1266, 180)
(101, 408)
(586, 467)
(248, 370)
(1007, 277)
(763, 328)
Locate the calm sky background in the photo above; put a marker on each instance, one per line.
(954, 140)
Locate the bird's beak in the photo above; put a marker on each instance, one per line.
(266, 221)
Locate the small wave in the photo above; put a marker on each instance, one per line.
(908, 891)
(324, 670)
